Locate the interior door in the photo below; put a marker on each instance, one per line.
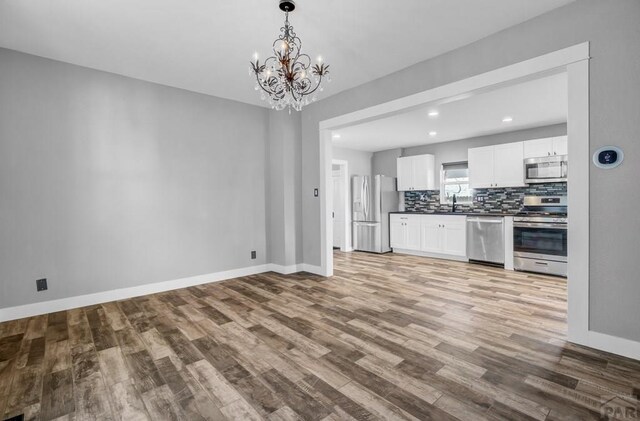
(481, 167)
(338, 210)
(508, 169)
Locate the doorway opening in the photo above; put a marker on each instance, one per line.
(575, 62)
(340, 213)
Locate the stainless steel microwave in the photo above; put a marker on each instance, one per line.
(547, 169)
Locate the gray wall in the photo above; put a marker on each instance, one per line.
(109, 182)
(457, 150)
(284, 233)
(359, 161)
(386, 162)
(614, 33)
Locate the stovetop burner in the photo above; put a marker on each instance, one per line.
(525, 212)
(543, 209)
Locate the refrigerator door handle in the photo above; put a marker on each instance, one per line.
(366, 199)
(367, 224)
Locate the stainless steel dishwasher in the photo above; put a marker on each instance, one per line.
(485, 239)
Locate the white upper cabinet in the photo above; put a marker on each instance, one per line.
(481, 167)
(549, 146)
(496, 166)
(405, 173)
(537, 148)
(560, 145)
(416, 173)
(508, 166)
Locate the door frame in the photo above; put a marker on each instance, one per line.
(574, 61)
(346, 238)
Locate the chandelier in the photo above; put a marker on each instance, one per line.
(287, 79)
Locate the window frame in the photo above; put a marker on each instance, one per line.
(443, 183)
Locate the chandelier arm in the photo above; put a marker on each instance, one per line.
(317, 85)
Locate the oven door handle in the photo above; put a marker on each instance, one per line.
(539, 225)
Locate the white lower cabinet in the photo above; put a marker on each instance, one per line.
(442, 235)
(405, 232)
(454, 236)
(430, 234)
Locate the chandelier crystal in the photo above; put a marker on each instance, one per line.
(288, 79)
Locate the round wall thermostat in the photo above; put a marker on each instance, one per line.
(608, 157)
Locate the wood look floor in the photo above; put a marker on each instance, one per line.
(388, 337)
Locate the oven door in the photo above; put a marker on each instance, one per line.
(540, 240)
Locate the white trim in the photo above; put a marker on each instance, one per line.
(613, 344)
(578, 203)
(326, 205)
(316, 270)
(284, 270)
(28, 310)
(432, 255)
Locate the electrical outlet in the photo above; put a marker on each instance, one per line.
(41, 284)
(253, 254)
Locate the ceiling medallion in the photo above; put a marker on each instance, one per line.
(287, 79)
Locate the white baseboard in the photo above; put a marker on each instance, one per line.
(300, 267)
(316, 270)
(285, 270)
(613, 344)
(62, 304)
(29, 310)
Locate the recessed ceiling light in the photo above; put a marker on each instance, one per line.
(336, 136)
(507, 119)
(433, 113)
(433, 133)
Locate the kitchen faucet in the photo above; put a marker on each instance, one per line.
(453, 206)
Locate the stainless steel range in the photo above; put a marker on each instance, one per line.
(540, 235)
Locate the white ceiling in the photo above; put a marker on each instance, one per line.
(205, 45)
(530, 104)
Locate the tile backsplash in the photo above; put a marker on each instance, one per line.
(505, 200)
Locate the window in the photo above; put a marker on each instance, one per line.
(454, 179)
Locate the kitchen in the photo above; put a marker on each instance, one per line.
(493, 192)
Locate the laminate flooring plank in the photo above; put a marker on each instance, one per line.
(126, 402)
(57, 395)
(387, 337)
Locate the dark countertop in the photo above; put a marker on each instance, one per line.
(455, 213)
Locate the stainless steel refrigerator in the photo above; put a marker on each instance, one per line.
(372, 199)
